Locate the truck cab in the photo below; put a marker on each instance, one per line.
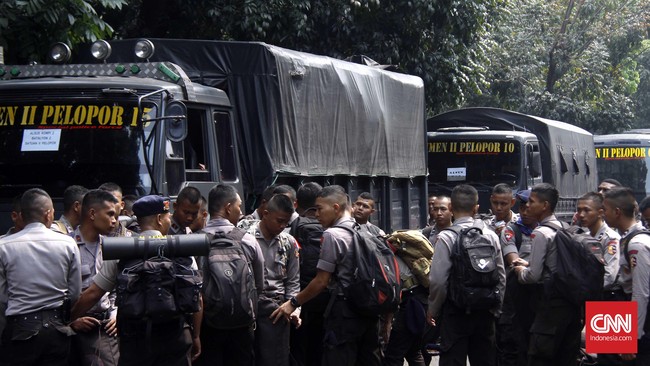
(626, 158)
(108, 123)
(487, 146)
(482, 158)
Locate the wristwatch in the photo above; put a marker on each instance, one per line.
(294, 302)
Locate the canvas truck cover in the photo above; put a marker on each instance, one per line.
(572, 166)
(304, 114)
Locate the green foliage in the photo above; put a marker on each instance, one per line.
(29, 27)
(438, 40)
(571, 60)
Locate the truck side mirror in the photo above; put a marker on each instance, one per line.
(176, 121)
(534, 164)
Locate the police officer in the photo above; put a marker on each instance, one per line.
(230, 346)
(306, 341)
(408, 324)
(95, 341)
(517, 313)
(116, 190)
(590, 216)
(555, 333)
(165, 343)
(349, 338)
(72, 198)
(440, 211)
(620, 213)
(39, 275)
(282, 281)
(362, 209)
(186, 210)
(501, 202)
(463, 334)
(16, 217)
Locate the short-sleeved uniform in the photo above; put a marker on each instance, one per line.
(462, 335)
(94, 347)
(232, 346)
(39, 269)
(349, 338)
(281, 282)
(555, 332)
(609, 239)
(638, 250)
(517, 315)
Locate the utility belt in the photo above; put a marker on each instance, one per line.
(101, 316)
(37, 315)
(25, 326)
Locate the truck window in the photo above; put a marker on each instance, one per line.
(226, 144)
(486, 162)
(49, 153)
(626, 162)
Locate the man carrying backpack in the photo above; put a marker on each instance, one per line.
(467, 282)
(230, 340)
(555, 332)
(307, 340)
(350, 338)
(620, 213)
(168, 341)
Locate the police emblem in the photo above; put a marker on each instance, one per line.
(509, 234)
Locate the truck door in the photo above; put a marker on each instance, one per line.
(533, 164)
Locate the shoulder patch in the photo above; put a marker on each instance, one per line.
(508, 234)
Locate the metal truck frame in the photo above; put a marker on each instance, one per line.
(202, 112)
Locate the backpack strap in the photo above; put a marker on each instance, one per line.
(624, 242)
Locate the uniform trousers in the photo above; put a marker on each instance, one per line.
(350, 339)
(227, 347)
(406, 337)
(555, 334)
(35, 339)
(166, 344)
(271, 342)
(95, 348)
(464, 335)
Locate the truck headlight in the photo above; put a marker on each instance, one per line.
(60, 53)
(100, 50)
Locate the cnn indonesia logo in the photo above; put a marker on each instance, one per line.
(611, 327)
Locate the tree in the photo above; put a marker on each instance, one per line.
(29, 27)
(438, 40)
(571, 60)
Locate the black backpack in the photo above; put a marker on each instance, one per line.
(309, 233)
(157, 289)
(580, 268)
(474, 277)
(229, 293)
(375, 286)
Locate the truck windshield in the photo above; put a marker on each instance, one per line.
(51, 148)
(627, 164)
(477, 162)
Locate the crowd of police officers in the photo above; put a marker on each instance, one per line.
(57, 297)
